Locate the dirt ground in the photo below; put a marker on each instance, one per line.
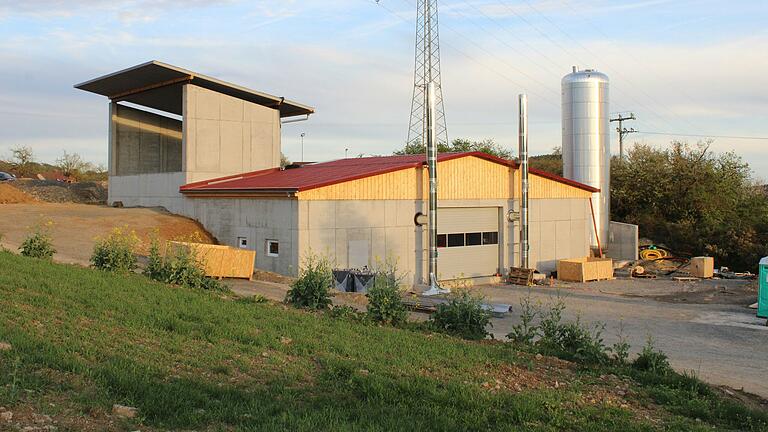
(12, 195)
(77, 226)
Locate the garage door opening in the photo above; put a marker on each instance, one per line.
(468, 242)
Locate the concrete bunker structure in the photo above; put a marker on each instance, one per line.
(190, 127)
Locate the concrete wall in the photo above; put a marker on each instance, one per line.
(364, 232)
(368, 232)
(258, 220)
(622, 241)
(224, 135)
(145, 159)
(559, 228)
(151, 156)
(144, 142)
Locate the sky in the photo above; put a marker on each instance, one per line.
(687, 69)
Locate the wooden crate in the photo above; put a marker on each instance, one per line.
(702, 267)
(223, 261)
(585, 269)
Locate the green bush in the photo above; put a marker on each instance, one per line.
(526, 332)
(552, 336)
(312, 289)
(115, 252)
(462, 316)
(652, 360)
(38, 243)
(571, 340)
(385, 305)
(347, 313)
(179, 266)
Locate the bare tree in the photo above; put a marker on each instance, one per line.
(22, 157)
(71, 164)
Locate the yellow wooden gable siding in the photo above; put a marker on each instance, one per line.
(464, 178)
(389, 186)
(542, 187)
(470, 178)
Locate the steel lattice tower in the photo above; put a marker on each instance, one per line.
(427, 69)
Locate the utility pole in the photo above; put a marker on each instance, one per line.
(426, 71)
(621, 118)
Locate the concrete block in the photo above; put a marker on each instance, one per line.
(246, 146)
(322, 241)
(547, 244)
(207, 146)
(406, 210)
(321, 214)
(208, 104)
(390, 213)
(563, 239)
(231, 147)
(231, 108)
(378, 247)
(340, 251)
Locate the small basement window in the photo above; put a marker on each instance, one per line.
(273, 248)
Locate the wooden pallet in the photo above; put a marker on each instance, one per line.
(520, 276)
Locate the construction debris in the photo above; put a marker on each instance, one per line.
(520, 276)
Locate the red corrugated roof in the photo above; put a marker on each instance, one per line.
(338, 171)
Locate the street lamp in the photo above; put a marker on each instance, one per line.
(302, 146)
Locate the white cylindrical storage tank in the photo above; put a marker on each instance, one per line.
(586, 140)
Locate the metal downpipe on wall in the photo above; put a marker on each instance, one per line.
(434, 287)
(523, 154)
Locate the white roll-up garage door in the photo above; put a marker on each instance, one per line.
(468, 242)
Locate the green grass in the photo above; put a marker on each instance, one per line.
(199, 360)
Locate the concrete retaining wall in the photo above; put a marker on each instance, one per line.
(622, 241)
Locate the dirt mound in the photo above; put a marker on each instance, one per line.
(60, 192)
(11, 195)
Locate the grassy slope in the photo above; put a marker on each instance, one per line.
(88, 339)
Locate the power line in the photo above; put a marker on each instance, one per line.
(459, 51)
(589, 52)
(704, 136)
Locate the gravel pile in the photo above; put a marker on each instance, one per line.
(59, 192)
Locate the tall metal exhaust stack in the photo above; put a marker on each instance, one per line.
(434, 287)
(523, 154)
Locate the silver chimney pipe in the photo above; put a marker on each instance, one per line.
(523, 154)
(434, 287)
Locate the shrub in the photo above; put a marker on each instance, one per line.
(552, 336)
(384, 302)
(526, 332)
(179, 266)
(621, 347)
(347, 313)
(312, 289)
(38, 243)
(462, 316)
(571, 340)
(115, 252)
(652, 360)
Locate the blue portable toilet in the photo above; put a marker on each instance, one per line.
(762, 292)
